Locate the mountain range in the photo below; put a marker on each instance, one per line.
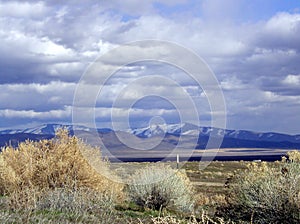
(168, 135)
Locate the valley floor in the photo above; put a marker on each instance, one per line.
(224, 154)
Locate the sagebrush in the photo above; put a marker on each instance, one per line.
(62, 162)
(159, 186)
(265, 193)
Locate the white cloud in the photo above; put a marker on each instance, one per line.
(33, 46)
(232, 83)
(39, 88)
(293, 80)
(7, 113)
(23, 9)
(41, 97)
(282, 31)
(274, 97)
(284, 25)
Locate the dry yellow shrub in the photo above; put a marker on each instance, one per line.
(203, 219)
(294, 156)
(8, 177)
(218, 199)
(57, 163)
(201, 199)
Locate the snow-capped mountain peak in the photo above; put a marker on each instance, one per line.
(46, 129)
(181, 129)
(163, 129)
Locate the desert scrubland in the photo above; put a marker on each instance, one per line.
(63, 180)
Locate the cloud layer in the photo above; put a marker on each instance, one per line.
(46, 47)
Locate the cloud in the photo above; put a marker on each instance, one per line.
(293, 80)
(218, 11)
(46, 47)
(35, 96)
(23, 9)
(282, 31)
(232, 83)
(56, 46)
(36, 115)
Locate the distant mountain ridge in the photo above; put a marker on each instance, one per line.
(190, 129)
(45, 129)
(170, 133)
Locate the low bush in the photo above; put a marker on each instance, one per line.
(63, 206)
(293, 156)
(203, 219)
(62, 162)
(159, 186)
(265, 193)
(75, 201)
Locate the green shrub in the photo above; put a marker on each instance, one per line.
(159, 186)
(265, 193)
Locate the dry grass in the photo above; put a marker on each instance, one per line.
(61, 206)
(202, 219)
(62, 162)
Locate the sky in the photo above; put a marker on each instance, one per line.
(252, 48)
